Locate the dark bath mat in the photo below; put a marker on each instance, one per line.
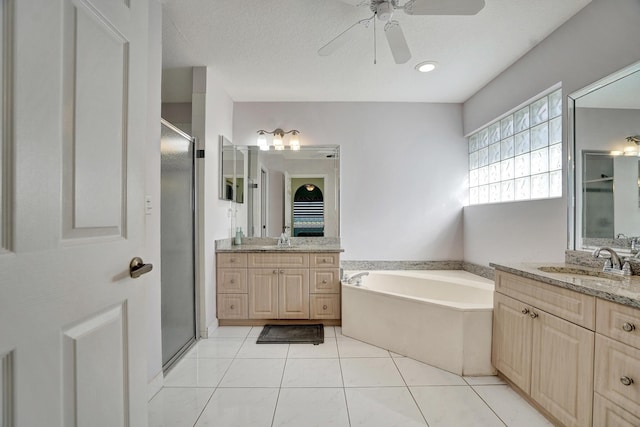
(291, 334)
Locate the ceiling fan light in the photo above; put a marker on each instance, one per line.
(425, 67)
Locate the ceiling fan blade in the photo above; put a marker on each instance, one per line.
(397, 42)
(443, 7)
(342, 38)
(356, 2)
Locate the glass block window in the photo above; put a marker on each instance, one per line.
(520, 156)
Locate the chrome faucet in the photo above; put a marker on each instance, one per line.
(633, 241)
(357, 278)
(613, 264)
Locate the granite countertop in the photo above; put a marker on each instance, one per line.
(623, 290)
(266, 244)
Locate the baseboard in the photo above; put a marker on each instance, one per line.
(210, 328)
(154, 386)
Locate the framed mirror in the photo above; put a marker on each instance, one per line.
(296, 191)
(231, 167)
(604, 179)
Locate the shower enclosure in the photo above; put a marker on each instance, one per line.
(178, 243)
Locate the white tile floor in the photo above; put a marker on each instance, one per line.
(229, 380)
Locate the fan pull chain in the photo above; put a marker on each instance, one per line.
(375, 51)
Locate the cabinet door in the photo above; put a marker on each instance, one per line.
(325, 281)
(617, 368)
(263, 293)
(232, 280)
(511, 349)
(562, 369)
(324, 306)
(232, 306)
(293, 294)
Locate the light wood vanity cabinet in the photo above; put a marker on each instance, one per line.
(617, 365)
(291, 285)
(548, 357)
(231, 279)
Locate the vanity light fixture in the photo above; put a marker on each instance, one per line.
(426, 66)
(278, 139)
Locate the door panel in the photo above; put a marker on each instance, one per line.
(67, 302)
(93, 361)
(96, 64)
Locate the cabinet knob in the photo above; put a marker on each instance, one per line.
(525, 310)
(232, 260)
(232, 306)
(324, 260)
(628, 327)
(533, 315)
(275, 271)
(232, 281)
(626, 380)
(324, 282)
(281, 271)
(324, 307)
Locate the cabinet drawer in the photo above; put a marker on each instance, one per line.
(615, 364)
(572, 306)
(232, 281)
(325, 306)
(324, 260)
(325, 281)
(234, 260)
(619, 322)
(285, 260)
(233, 306)
(608, 414)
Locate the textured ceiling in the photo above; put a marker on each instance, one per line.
(266, 50)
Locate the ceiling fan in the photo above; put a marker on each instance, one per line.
(383, 10)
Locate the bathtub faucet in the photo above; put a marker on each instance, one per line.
(357, 278)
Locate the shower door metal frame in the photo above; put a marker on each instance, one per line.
(194, 238)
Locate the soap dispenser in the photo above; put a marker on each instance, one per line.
(238, 239)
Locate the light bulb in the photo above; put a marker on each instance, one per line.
(294, 143)
(262, 140)
(277, 142)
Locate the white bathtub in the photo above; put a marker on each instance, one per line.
(440, 317)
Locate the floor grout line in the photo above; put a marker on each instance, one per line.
(287, 356)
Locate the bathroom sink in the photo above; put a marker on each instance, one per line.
(577, 271)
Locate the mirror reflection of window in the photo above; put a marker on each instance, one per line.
(308, 211)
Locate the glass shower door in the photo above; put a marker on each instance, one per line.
(177, 245)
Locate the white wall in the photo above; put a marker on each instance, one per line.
(402, 171)
(594, 43)
(152, 188)
(212, 116)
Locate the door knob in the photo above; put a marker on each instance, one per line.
(137, 267)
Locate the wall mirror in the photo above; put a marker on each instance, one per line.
(604, 124)
(232, 171)
(293, 191)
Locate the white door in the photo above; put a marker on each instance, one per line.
(72, 320)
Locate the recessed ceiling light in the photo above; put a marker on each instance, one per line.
(425, 67)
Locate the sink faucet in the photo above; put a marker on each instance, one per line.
(613, 264)
(357, 278)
